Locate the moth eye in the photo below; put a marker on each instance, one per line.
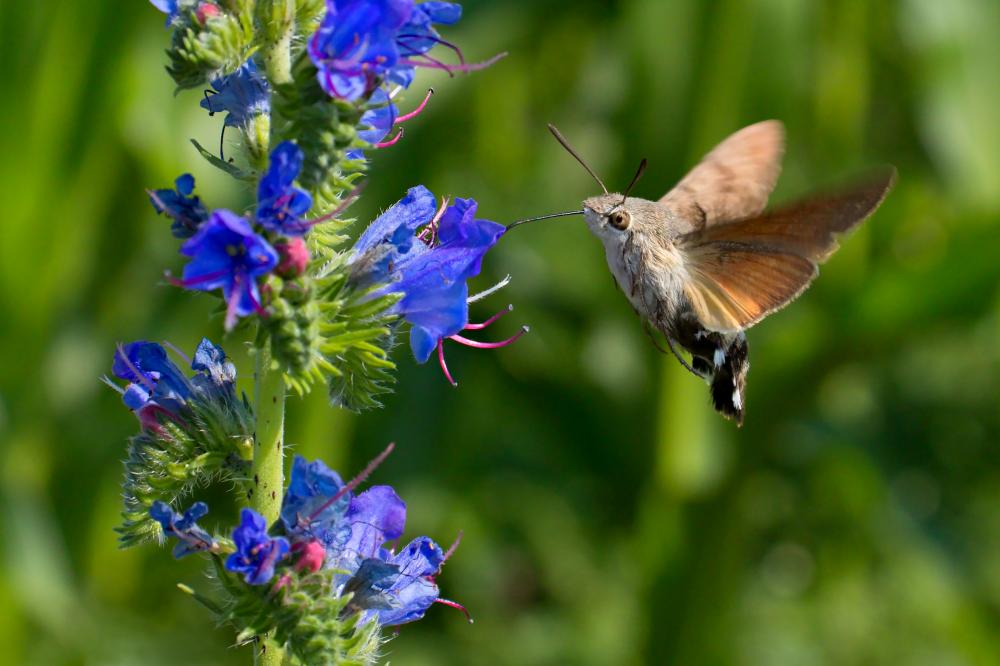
(619, 220)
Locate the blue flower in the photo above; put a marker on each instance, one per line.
(157, 386)
(418, 36)
(242, 95)
(281, 205)
(227, 254)
(393, 588)
(307, 510)
(152, 376)
(356, 44)
(186, 210)
(430, 269)
(256, 553)
(190, 537)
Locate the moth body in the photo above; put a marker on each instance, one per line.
(706, 262)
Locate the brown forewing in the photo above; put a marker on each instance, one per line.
(734, 180)
(742, 271)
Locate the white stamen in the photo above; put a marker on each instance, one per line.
(495, 288)
(720, 357)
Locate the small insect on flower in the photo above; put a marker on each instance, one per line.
(256, 552)
(190, 537)
(227, 254)
(426, 253)
(280, 205)
(186, 209)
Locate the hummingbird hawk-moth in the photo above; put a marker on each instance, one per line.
(706, 262)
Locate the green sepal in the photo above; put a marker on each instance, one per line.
(198, 53)
(209, 441)
(306, 615)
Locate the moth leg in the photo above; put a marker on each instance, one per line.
(652, 338)
(677, 355)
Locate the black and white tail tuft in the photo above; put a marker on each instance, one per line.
(729, 378)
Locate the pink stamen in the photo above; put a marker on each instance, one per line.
(232, 304)
(489, 345)
(452, 548)
(171, 347)
(416, 112)
(191, 282)
(436, 40)
(444, 366)
(391, 142)
(464, 68)
(157, 200)
(378, 460)
(479, 327)
(143, 379)
(457, 606)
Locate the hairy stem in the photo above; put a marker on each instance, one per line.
(277, 57)
(268, 459)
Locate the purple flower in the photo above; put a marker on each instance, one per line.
(281, 205)
(241, 95)
(190, 537)
(256, 553)
(427, 257)
(186, 210)
(315, 503)
(227, 254)
(355, 44)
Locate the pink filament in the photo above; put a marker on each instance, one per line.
(191, 282)
(391, 142)
(464, 67)
(458, 606)
(444, 366)
(353, 483)
(488, 345)
(416, 112)
(479, 327)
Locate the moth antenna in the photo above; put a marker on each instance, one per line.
(542, 217)
(635, 179)
(569, 149)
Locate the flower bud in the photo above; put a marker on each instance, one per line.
(205, 11)
(294, 257)
(311, 556)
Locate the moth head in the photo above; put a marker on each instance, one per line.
(608, 214)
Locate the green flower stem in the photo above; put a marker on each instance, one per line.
(268, 458)
(277, 57)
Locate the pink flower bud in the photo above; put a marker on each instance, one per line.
(205, 11)
(294, 257)
(311, 556)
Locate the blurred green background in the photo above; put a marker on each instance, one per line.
(610, 517)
